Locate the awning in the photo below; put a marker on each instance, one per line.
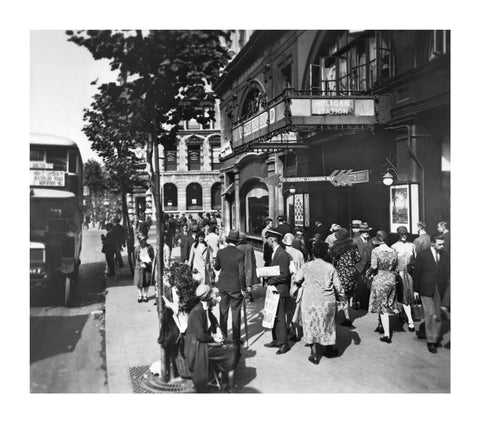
(229, 189)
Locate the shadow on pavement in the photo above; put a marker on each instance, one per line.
(65, 330)
(244, 375)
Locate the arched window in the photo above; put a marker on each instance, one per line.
(216, 196)
(194, 197)
(253, 103)
(170, 197)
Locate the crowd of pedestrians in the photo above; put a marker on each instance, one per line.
(315, 279)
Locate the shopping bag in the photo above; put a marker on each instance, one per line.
(270, 309)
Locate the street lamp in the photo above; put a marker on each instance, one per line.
(291, 189)
(388, 179)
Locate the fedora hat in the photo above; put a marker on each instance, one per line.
(273, 233)
(402, 230)
(364, 227)
(233, 236)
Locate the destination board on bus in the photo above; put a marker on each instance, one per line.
(47, 178)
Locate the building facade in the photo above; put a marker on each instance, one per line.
(337, 125)
(189, 173)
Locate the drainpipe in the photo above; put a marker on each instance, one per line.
(416, 160)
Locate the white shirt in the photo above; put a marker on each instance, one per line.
(436, 255)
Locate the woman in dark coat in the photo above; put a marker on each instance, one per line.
(142, 276)
(204, 351)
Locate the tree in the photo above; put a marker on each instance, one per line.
(94, 178)
(169, 74)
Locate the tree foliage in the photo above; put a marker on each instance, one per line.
(94, 176)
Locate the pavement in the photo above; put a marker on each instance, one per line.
(364, 363)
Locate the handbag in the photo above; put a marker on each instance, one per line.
(417, 310)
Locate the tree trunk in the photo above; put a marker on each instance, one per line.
(164, 373)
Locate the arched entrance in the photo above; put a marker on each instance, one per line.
(253, 206)
(216, 196)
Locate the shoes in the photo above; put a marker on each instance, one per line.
(140, 299)
(432, 348)
(273, 344)
(145, 299)
(331, 352)
(379, 329)
(411, 327)
(283, 349)
(315, 359)
(295, 338)
(250, 297)
(387, 339)
(347, 322)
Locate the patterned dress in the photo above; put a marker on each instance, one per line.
(318, 307)
(345, 265)
(383, 296)
(406, 256)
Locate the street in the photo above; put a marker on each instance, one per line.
(67, 344)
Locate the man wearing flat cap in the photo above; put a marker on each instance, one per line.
(231, 284)
(282, 284)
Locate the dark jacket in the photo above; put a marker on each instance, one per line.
(108, 243)
(282, 282)
(138, 262)
(186, 242)
(118, 234)
(250, 263)
(428, 274)
(365, 250)
(283, 228)
(231, 263)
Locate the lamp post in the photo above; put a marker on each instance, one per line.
(387, 179)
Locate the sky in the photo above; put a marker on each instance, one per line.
(60, 86)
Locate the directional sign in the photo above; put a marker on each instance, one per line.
(338, 178)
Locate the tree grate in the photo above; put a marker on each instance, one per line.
(145, 382)
(136, 376)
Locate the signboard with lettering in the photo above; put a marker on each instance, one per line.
(47, 178)
(334, 106)
(41, 165)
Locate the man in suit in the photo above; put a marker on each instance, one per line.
(185, 240)
(267, 250)
(282, 284)
(429, 280)
(282, 227)
(422, 242)
(250, 264)
(364, 245)
(231, 284)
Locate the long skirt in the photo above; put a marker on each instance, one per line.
(141, 278)
(319, 322)
(383, 294)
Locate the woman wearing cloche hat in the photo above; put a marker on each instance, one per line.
(383, 297)
(406, 256)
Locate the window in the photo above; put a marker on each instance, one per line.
(215, 152)
(253, 103)
(194, 196)
(37, 155)
(216, 196)
(170, 196)
(57, 157)
(72, 162)
(192, 124)
(352, 63)
(439, 43)
(170, 160)
(194, 162)
(256, 208)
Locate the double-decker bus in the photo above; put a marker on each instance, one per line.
(56, 191)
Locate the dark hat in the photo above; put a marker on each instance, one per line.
(268, 219)
(334, 227)
(233, 236)
(280, 218)
(341, 234)
(402, 230)
(273, 233)
(364, 227)
(422, 225)
(380, 238)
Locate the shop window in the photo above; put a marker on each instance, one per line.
(194, 162)
(170, 196)
(216, 196)
(194, 196)
(171, 160)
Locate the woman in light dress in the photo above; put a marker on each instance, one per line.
(406, 257)
(200, 259)
(383, 296)
(321, 290)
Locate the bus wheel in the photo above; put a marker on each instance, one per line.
(69, 285)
